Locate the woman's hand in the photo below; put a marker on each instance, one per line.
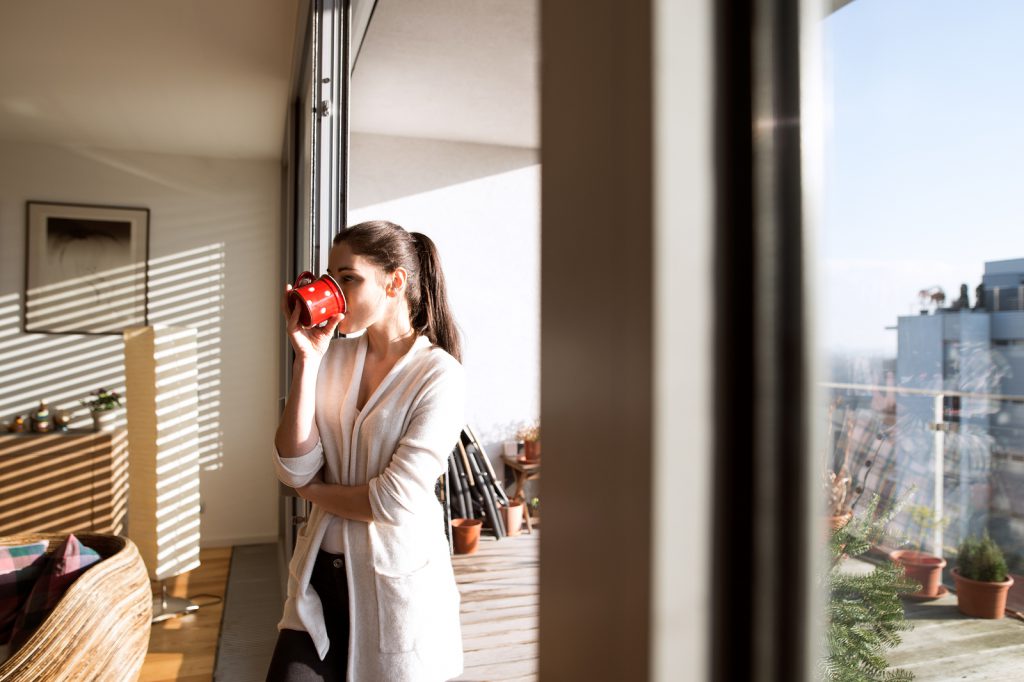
(347, 501)
(309, 342)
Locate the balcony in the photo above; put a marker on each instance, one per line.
(954, 459)
(500, 588)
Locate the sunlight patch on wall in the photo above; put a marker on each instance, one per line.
(187, 290)
(59, 368)
(70, 305)
(63, 483)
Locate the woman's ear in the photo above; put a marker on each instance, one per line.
(397, 284)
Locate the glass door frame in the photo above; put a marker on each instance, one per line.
(315, 177)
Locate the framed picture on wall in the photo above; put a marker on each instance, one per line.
(86, 268)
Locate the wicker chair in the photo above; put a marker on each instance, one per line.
(100, 628)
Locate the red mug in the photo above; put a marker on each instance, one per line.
(317, 298)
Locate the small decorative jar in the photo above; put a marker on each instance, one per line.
(41, 421)
(61, 420)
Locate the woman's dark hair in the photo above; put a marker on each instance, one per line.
(390, 247)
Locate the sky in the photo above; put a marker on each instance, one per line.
(924, 159)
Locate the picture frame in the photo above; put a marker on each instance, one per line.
(86, 268)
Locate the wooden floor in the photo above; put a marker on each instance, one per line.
(500, 604)
(185, 648)
(500, 601)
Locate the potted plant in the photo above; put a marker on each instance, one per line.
(530, 435)
(838, 482)
(920, 566)
(105, 407)
(982, 579)
(837, 491)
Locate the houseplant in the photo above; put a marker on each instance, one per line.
(105, 407)
(839, 480)
(920, 566)
(837, 490)
(982, 579)
(535, 509)
(530, 435)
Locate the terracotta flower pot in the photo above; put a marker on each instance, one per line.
(837, 522)
(922, 568)
(531, 450)
(513, 514)
(981, 599)
(466, 535)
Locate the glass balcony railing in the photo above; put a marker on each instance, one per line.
(953, 460)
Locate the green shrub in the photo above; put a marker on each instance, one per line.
(865, 614)
(981, 560)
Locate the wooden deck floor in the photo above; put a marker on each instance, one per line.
(500, 605)
(947, 645)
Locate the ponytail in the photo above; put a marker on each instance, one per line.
(434, 316)
(390, 247)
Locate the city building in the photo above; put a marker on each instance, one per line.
(960, 369)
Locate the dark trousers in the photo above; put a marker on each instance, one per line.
(295, 658)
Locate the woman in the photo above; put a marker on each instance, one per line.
(366, 432)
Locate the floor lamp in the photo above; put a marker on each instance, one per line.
(162, 384)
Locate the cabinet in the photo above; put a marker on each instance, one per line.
(62, 482)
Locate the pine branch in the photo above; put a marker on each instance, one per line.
(865, 614)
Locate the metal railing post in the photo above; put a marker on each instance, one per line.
(940, 463)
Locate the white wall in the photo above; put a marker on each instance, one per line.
(481, 205)
(214, 244)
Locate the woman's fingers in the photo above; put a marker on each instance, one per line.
(285, 309)
(332, 323)
(304, 338)
(293, 318)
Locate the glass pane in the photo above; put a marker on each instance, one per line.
(921, 312)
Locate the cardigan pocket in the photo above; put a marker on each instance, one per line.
(399, 608)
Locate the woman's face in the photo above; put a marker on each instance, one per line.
(365, 286)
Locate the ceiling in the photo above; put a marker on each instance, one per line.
(211, 77)
(464, 70)
(197, 77)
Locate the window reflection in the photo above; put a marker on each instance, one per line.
(921, 317)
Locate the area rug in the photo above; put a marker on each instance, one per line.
(252, 608)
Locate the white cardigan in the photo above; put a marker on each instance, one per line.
(403, 600)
